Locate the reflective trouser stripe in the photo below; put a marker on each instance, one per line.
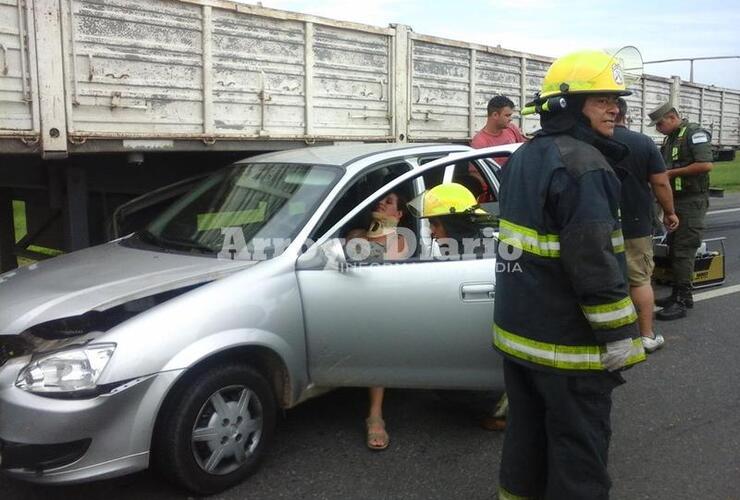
(505, 495)
(566, 357)
(529, 240)
(613, 315)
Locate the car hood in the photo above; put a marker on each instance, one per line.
(98, 278)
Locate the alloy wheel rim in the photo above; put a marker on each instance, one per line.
(227, 430)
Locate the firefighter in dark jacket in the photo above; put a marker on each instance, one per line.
(563, 318)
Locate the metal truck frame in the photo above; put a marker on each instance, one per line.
(103, 100)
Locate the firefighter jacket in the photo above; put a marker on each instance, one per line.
(561, 288)
(688, 144)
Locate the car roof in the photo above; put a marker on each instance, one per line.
(341, 154)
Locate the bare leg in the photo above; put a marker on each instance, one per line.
(644, 300)
(376, 401)
(377, 437)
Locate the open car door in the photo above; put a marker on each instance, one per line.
(424, 321)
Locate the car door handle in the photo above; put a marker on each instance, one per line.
(477, 292)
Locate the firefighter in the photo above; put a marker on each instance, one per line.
(455, 218)
(687, 151)
(563, 318)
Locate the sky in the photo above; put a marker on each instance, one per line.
(659, 29)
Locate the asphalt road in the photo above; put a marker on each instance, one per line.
(675, 428)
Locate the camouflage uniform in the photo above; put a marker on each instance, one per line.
(686, 145)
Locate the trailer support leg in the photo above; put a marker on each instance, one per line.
(8, 260)
(77, 231)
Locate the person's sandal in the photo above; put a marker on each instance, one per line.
(373, 437)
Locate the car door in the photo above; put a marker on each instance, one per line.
(422, 323)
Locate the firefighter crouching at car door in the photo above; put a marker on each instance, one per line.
(564, 323)
(687, 151)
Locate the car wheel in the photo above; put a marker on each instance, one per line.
(215, 432)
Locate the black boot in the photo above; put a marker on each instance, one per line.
(684, 300)
(670, 299)
(686, 297)
(676, 310)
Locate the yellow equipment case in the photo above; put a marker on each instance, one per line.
(709, 265)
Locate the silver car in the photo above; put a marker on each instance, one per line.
(177, 344)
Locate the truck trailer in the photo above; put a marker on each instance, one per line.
(104, 100)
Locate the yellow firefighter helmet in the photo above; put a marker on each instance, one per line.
(445, 199)
(585, 72)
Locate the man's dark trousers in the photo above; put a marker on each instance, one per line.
(684, 242)
(557, 436)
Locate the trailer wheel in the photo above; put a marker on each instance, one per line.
(214, 436)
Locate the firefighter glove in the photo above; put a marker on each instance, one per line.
(616, 355)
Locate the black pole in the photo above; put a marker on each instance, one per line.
(77, 225)
(8, 260)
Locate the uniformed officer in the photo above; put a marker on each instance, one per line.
(563, 318)
(687, 152)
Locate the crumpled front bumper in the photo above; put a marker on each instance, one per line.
(78, 440)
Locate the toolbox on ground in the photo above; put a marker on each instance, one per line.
(709, 264)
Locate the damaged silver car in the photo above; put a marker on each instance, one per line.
(176, 345)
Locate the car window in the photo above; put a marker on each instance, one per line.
(472, 175)
(492, 169)
(411, 240)
(358, 191)
(259, 207)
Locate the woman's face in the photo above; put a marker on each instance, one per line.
(437, 228)
(388, 205)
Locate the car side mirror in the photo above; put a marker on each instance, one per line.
(328, 255)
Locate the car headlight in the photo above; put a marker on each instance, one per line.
(67, 371)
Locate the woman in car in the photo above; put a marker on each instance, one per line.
(386, 244)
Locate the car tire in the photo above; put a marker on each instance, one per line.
(215, 431)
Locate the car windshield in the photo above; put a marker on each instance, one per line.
(249, 211)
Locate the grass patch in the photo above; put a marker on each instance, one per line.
(21, 229)
(19, 219)
(22, 261)
(19, 216)
(726, 174)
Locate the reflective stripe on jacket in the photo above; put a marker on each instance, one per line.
(566, 357)
(678, 151)
(568, 296)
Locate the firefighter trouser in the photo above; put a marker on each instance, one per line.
(684, 242)
(557, 434)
